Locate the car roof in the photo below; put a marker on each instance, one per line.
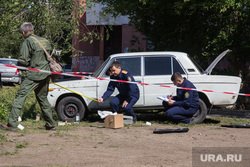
(177, 54)
(8, 59)
(180, 56)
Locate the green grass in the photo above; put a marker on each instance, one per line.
(19, 145)
(9, 153)
(227, 120)
(159, 118)
(3, 138)
(112, 146)
(22, 145)
(3, 113)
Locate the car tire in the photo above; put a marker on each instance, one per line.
(201, 114)
(68, 107)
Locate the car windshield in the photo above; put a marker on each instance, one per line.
(100, 69)
(10, 62)
(197, 65)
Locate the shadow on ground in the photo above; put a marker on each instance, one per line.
(230, 113)
(161, 118)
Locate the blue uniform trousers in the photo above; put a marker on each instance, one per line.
(118, 100)
(178, 113)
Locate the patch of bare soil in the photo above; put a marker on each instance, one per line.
(129, 146)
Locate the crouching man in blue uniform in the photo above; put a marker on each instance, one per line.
(128, 93)
(186, 102)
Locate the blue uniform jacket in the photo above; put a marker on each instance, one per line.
(187, 98)
(125, 89)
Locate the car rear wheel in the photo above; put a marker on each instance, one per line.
(201, 114)
(68, 107)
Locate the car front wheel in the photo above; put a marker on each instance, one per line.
(68, 107)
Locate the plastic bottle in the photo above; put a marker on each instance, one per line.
(77, 117)
(38, 117)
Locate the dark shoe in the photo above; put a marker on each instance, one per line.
(134, 121)
(6, 127)
(47, 128)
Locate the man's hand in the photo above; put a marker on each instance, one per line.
(171, 102)
(170, 97)
(124, 104)
(100, 100)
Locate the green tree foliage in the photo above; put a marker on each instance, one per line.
(52, 19)
(201, 28)
(56, 20)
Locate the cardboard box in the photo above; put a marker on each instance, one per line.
(114, 121)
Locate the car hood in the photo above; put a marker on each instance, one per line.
(214, 63)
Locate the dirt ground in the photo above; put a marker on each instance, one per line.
(130, 146)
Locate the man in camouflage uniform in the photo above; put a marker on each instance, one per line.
(32, 56)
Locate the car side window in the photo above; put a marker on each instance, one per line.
(177, 67)
(157, 65)
(133, 65)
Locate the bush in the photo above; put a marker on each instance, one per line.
(3, 113)
(8, 94)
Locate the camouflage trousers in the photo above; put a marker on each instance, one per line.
(41, 91)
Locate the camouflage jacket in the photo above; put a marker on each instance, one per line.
(33, 56)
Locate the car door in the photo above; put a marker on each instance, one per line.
(158, 71)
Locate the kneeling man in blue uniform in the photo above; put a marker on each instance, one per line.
(128, 93)
(186, 102)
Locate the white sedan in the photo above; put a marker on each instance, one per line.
(154, 69)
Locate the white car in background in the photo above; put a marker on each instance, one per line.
(9, 74)
(153, 68)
